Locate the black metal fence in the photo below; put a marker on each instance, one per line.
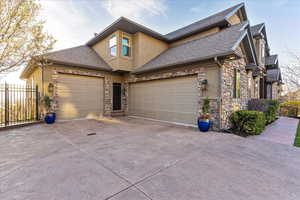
(19, 104)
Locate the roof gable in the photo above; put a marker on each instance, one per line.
(124, 24)
(218, 19)
(220, 44)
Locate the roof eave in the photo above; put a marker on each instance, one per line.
(77, 65)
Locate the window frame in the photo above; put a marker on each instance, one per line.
(237, 84)
(113, 46)
(127, 45)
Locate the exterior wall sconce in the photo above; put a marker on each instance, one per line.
(232, 57)
(124, 91)
(50, 88)
(204, 85)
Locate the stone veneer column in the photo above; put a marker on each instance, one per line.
(230, 104)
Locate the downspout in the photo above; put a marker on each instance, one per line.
(220, 89)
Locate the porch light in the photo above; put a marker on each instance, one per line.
(204, 84)
(232, 57)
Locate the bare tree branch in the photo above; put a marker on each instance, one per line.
(21, 34)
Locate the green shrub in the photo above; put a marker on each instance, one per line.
(248, 122)
(268, 107)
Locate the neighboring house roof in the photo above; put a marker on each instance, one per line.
(273, 75)
(216, 45)
(219, 19)
(252, 67)
(81, 56)
(271, 60)
(256, 29)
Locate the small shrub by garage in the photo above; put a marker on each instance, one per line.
(248, 122)
(268, 107)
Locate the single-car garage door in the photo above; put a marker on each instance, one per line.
(173, 100)
(79, 96)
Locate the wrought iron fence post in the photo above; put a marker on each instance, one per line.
(37, 96)
(6, 105)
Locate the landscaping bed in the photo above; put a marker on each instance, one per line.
(253, 121)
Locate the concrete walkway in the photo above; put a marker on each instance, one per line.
(282, 131)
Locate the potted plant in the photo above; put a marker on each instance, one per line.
(50, 116)
(204, 122)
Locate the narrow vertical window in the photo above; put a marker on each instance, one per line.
(125, 46)
(237, 84)
(113, 45)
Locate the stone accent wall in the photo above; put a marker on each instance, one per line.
(275, 88)
(230, 104)
(77, 71)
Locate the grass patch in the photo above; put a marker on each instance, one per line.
(297, 138)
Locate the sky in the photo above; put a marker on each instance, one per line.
(74, 22)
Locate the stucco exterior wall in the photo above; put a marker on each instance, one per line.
(234, 19)
(195, 36)
(146, 48)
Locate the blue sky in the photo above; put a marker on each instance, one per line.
(74, 22)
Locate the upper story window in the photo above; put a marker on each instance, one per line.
(113, 45)
(237, 84)
(125, 46)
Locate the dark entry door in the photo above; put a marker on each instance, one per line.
(116, 96)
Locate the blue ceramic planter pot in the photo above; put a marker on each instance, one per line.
(204, 125)
(50, 118)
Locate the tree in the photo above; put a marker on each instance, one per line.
(22, 37)
(291, 72)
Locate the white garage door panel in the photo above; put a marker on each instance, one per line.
(79, 97)
(168, 100)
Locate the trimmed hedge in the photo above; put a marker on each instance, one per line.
(268, 107)
(248, 122)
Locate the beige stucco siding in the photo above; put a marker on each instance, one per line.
(234, 19)
(146, 48)
(196, 36)
(213, 82)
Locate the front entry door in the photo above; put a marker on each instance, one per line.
(116, 96)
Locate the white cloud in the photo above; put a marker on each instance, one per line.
(134, 9)
(67, 22)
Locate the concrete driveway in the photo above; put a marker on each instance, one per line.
(137, 159)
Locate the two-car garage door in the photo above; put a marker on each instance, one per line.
(174, 100)
(79, 96)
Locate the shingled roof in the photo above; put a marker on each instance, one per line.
(271, 60)
(273, 75)
(219, 44)
(219, 19)
(209, 22)
(256, 29)
(81, 56)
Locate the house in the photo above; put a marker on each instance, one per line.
(291, 96)
(129, 69)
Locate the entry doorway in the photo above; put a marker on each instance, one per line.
(117, 105)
